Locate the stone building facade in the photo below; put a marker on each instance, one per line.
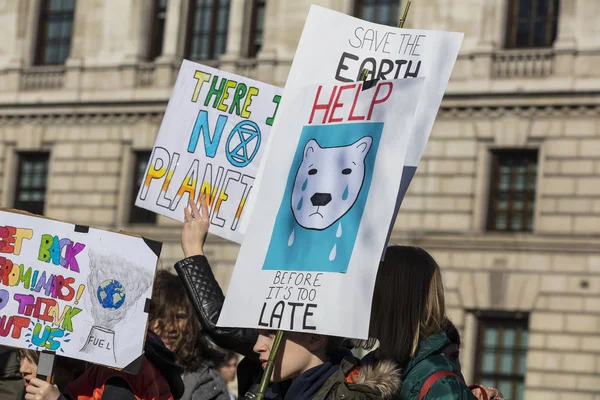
(507, 195)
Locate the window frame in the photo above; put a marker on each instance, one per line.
(213, 30)
(42, 33)
(154, 52)
(528, 195)
(137, 215)
(31, 156)
(501, 320)
(513, 20)
(358, 10)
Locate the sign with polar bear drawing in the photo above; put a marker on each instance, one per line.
(325, 197)
(387, 53)
(330, 184)
(77, 291)
(210, 143)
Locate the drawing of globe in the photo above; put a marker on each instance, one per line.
(111, 294)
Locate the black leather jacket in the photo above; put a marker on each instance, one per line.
(207, 299)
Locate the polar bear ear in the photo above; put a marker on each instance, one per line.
(363, 145)
(311, 147)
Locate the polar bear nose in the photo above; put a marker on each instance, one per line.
(320, 199)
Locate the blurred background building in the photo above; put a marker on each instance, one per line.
(507, 196)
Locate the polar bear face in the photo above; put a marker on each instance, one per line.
(328, 182)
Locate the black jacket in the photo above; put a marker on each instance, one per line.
(207, 298)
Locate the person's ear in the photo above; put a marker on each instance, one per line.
(316, 342)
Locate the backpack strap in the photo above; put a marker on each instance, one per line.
(433, 379)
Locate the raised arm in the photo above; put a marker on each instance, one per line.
(203, 289)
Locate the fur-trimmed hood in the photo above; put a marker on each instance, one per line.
(353, 381)
(383, 377)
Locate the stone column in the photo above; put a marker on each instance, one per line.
(175, 28)
(235, 35)
(173, 42)
(566, 40)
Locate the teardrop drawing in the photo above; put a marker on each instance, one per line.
(299, 206)
(304, 184)
(291, 239)
(345, 194)
(339, 231)
(333, 253)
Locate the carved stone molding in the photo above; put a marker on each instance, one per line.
(82, 118)
(527, 111)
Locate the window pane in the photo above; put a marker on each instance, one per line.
(522, 364)
(55, 5)
(489, 362)
(505, 387)
(508, 338)
(520, 391)
(507, 362)
(524, 338)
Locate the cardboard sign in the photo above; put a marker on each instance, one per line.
(388, 53)
(76, 291)
(210, 142)
(330, 183)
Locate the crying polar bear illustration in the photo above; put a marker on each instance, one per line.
(328, 182)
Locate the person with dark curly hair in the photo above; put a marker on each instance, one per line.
(171, 317)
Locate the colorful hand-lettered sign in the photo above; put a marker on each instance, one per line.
(387, 53)
(312, 248)
(210, 143)
(77, 291)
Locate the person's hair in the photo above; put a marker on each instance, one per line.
(168, 296)
(226, 357)
(452, 332)
(334, 344)
(33, 356)
(408, 302)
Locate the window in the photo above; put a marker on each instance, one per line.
(256, 27)
(502, 352)
(531, 23)
(159, 17)
(32, 177)
(512, 190)
(139, 215)
(207, 37)
(386, 12)
(56, 27)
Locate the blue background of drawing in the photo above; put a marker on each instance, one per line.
(311, 248)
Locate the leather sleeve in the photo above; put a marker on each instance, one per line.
(207, 298)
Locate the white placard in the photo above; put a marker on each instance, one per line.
(352, 44)
(330, 184)
(77, 291)
(210, 142)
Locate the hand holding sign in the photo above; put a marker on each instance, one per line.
(41, 390)
(195, 228)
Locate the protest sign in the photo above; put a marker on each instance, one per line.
(330, 183)
(77, 291)
(352, 45)
(210, 143)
